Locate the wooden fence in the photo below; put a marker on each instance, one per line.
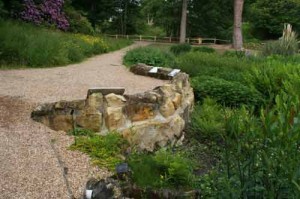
(193, 41)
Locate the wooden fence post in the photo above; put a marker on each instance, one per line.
(140, 37)
(170, 39)
(154, 38)
(199, 40)
(116, 36)
(127, 36)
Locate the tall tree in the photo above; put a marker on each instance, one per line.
(183, 21)
(237, 27)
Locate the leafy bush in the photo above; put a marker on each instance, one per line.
(164, 169)
(105, 151)
(232, 94)
(180, 49)
(78, 22)
(148, 55)
(208, 120)
(259, 154)
(24, 44)
(272, 78)
(286, 45)
(196, 63)
(204, 49)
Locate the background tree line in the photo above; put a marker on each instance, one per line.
(263, 19)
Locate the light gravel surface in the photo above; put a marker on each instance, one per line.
(35, 161)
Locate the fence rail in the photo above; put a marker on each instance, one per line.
(193, 41)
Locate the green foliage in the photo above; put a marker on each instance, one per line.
(150, 56)
(105, 151)
(287, 45)
(272, 78)
(3, 12)
(204, 49)
(153, 31)
(81, 132)
(208, 120)
(180, 49)
(268, 16)
(78, 22)
(196, 63)
(232, 94)
(25, 45)
(259, 156)
(164, 169)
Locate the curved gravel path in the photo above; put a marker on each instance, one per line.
(35, 161)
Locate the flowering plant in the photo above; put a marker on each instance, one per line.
(48, 12)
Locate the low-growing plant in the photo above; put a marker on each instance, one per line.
(180, 49)
(150, 56)
(208, 120)
(164, 169)
(203, 49)
(197, 63)
(105, 151)
(232, 94)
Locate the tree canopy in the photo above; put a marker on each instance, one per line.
(214, 18)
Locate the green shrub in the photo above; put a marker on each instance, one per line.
(196, 63)
(208, 120)
(164, 169)
(150, 56)
(180, 49)
(272, 78)
(30, 46)
(232, 94)
(204, 49)
(105, 151)
(78, 22)
(259, 157)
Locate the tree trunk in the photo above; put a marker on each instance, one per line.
(237, 32)
(183, 22)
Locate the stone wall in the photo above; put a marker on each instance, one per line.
(150, 119)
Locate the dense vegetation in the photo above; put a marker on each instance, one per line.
(247, 114)
(29, 46)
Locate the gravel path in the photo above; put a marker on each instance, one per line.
(35, 161)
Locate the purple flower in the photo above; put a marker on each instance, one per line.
(49, 12)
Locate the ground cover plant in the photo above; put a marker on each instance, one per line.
(148, 55)
(25, 45)
(105, 151)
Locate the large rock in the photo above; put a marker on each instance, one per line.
(140, 111)
(114, 118)
(114, 100)
(152, 133)
(61, 122)
(95, 101)
(167, 109)
(89, 119)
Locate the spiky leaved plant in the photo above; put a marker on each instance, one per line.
(287, 45)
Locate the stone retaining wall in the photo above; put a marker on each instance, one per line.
(150, 119)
